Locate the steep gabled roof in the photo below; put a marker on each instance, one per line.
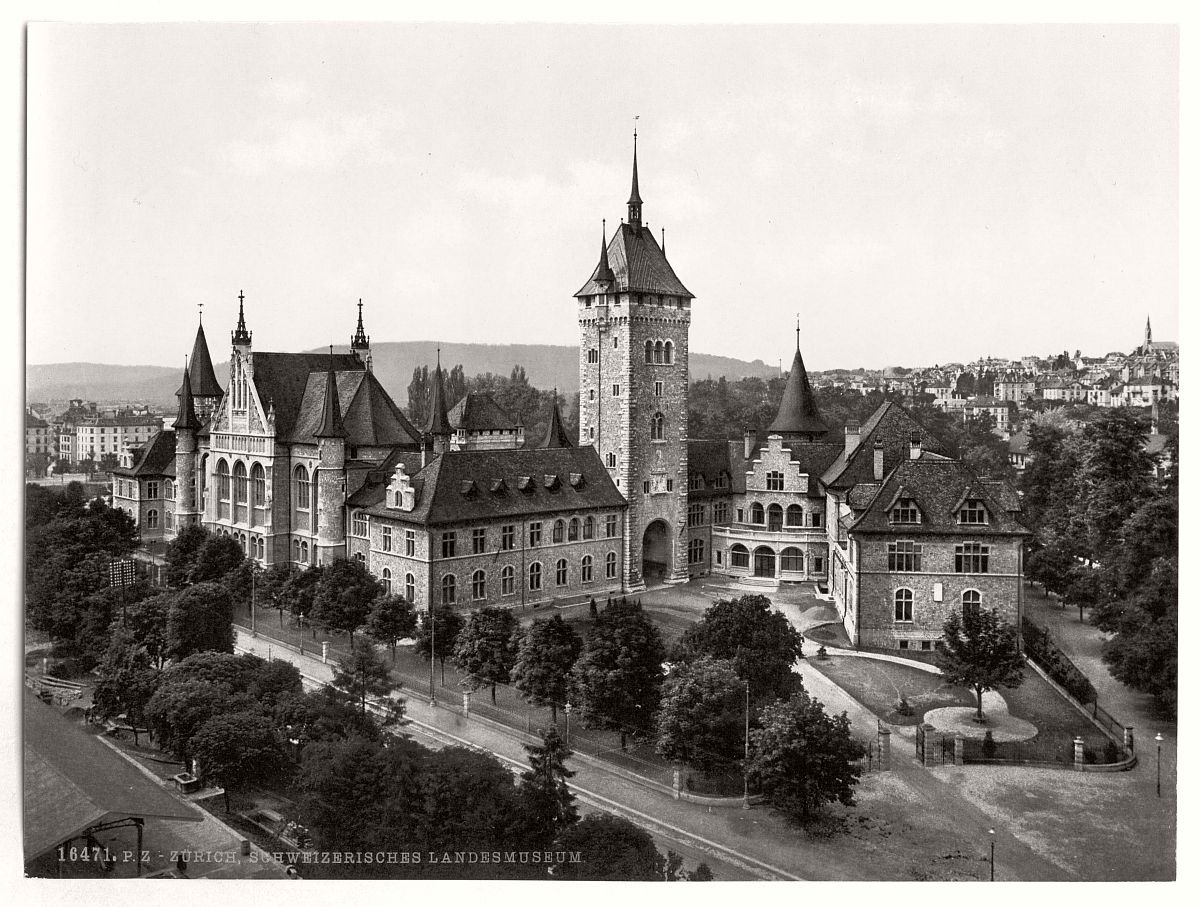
(331, 410)
(156, 458)
(480, 412)
(438, 422)
(374, 420)
(798, 413)
(638, 265)
(892, 424)
(281, 379)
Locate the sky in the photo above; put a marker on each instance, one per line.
(915, 194)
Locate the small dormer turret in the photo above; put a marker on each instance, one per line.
(400, 492)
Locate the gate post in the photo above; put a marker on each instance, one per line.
(324, 653)
(958, 749)
(885, 749)
(466, 702)
(1078, 754)
(1129, 737)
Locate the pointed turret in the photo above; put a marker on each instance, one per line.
(556, 434)
(604, 273)
(635, 197)
(798, 414)
(438, 425)
(204, 378)
(241, 336)
(331, 413)
(187, 420)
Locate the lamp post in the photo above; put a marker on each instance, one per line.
(567, 712)
(432, 654)
(992, 857)
(253, 573)
(1158, 738)
(746, 758)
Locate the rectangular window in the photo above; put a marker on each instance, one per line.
(507, 538)
(535, 534)
(610, 526)
(670, 484)
(818, 565)
(774, 481)
(904, 557)
(151, 489)
(721, 512)
(658, 388)
(646, 487)
(478, 541)
(973, 513)
(449, 539)
(386, 537)
(741, 515)
(695, 515)
(970, 557)
(906, 511)
(410, 542)
(616, 390)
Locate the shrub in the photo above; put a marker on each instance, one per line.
(903, 707)
(989, 746)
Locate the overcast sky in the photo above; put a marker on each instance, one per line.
(917, 194)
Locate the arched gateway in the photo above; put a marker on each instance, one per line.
(656, 552)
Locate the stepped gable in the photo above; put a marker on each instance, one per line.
(798, 413)
(456, 486)
(638, 265)
(894, 425)
(939, 487)
(156, 458)
(480, 412)
(281, 379)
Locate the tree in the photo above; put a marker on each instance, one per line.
(361, 674)
(1144, 654)
(441, 634)
(757, 639)
(1114, 478)
(486, 648)
(181, 705)
(321, 716)
(702, 715)
(182, 553)
(128, 679)
(391, 619)
(980, 650)
(300, 590)
(547, 652)
(615, 683)
(803, 758)
(547, 799)
(109, 462)
(237, 749)
(612, 849)
(146, 623)
(419, 389)
(219, 556)
(200, 618)
(344, 595)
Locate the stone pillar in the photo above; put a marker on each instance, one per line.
(676, 783)
(885, 749)
(466, 702)
(1078, 754)
(325, 653)
(1129, 737)
(959, 743)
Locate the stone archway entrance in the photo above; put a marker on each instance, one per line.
(764, 562)
(656, 552)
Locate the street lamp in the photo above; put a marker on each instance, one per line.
(253, 573)
(567, 712)
(746, 759)
(992, 858)
(432, 653)
(1158, 738)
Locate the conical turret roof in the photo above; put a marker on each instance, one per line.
(439, 420)
(798, 413)
(556, 434)
(331, 413)
(187, 418)
(200, 369)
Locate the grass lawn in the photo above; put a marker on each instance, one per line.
(879, 685)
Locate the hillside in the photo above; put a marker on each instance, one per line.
(546, 366)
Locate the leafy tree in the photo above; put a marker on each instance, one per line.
(146, 623)
(547, 799)
(547, 652)
(109, 462)
(1043, 478)
(419, 390)
(344, 595)
(1151, 531)
(321, 716)
(442, 634)
(757, 639)
(181, 705)
(128, 679)
(612, 849)
(361, 674)
(182, 553)
(803, 758)
(200, 618)
(1144, 653)
(702, 715)
(980, 447)
(219, 556)
(300, 591)
(1114, 478)
(615, 683)
(237, 749)
(486, 648)
(391, 619)
(980, 650)
(274, 682)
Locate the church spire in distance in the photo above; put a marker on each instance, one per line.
(635, 197)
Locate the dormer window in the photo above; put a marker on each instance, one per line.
(525, 483)
(577, 480)
(973, 513)
(550, 482)
(906, 511)
(498, 486)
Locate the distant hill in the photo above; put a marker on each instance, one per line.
(546, 366)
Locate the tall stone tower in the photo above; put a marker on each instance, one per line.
(633, 391)
(331, 475)
(187, 424)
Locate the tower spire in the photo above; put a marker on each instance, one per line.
(186, 419)
(798, 414)
(604, 273)
(439, 422)
(331, 413)
(556, 434)
(635, 197)
(241, 335)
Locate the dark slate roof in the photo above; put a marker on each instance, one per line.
(200, 369)
(73, 781)
(638, 265)
(157, 458)
(32, 421)
(556, 435)
(281, 379)
(480, 412)
(894, 425)
(374, 420)
(710, 459)
(186, 417)
(438, 422)
(939, 488)
(456, 487)
(331, 411)
(798, 413)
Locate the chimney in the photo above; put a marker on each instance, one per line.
(914, 445)
(852, 435)
(878, 459)
(747, 444)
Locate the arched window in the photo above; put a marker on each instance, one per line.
(262, 548)
(573, 530)
(448, 583)
(387, 579)
(658, 353)
(585, 569)
(560, 572)
(478, 585)
(791, 560)
(669, 353)
(296, 550)
(764, 561)
(904, 606)
(739, 556)
(239, 492)
(775, 518)
(304, 552)
(169, 490)
(795, 515)
(535, 577)
(410, 587)
(302, 495)
(258, 495)
(649, 352)
(168, 520)
(589, 528)
(656, 427)
(508, 581)
(558, 530)
(610, 565)
(971, 600)
(757, 513)
(222, 489)
(152, 519)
